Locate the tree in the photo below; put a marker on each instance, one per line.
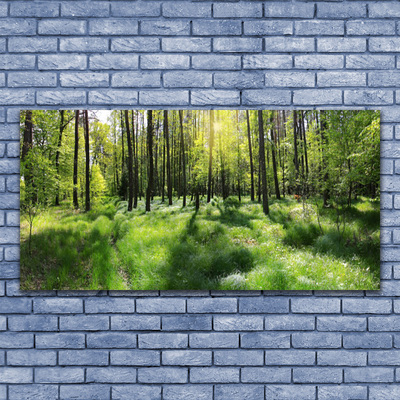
(130, 161)
(75, 176)
(150, 158)
(273, 144)
(87, 155)
(166, 138)
(262, 162)
(183, 158)
(211, 145)
(250, 157)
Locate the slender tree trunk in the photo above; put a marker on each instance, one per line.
(130, 161)
(26, 147)
(61, 129)
(211, 145)
(262, 162)
(251, 157)
(163, 170)
(75, 177)
(296, 157)
(150, 157)
(166, 137)
(122, 145)
(305, 143)
(135, 160)
(183, 158)
(325, 193)
(87, 154)
(273, 151)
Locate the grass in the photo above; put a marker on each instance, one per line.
(225, 245)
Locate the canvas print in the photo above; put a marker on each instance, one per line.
(200, 199)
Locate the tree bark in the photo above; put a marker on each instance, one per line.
(61, 129)
(278, 194)
(183, 158)
(75, 176)
(150, 157)
(135, 160)
(166, 137)
(211, 144)
(296, 157)
(87, 154)
(130, 161)
(262, 162)
(251, 157)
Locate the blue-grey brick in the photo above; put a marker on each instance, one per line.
(90, 9)
(289, 357)
(95, 392)
(239, 392)
(12, 181)
(289, 323)
(241, 323)
(214, 340)
(135, 44)
(316, 340)
(179, 392)
(110, 375)
(266, 375)
(396, 275)
(113, 61)
(290, 392)
(135, 9)
(15, 305)
(342, 358)
(110, 96)
(263, 305)
(19, 26)
(289, 44)
(346, 392)
(382, 79)
(181, 9)
(389, 254)
(16, 340)
(237, 45)
(59, 375)
(164, 27)
(16, 375)
(17, 61)
(384, 357)
(387, 323)
(289, 79)
(187, 323)
(136, 392)
(135, 357)
(237, 10)
(33, 392)
(319, 61)
(387, 200)
(61, 27)
(387, 134)
(163, 340)
(32, 44)
(3, 319)
(111, 340)
(258, 96)
(221, 97)
(84, 322)
(13, 151)
(269, 27)
(311, 97)
(83, 357)
(396, 236)
(57, 306)
(135, 322)
(162, 375)
(382, 392)
(317, 27)
(370, 61)
(64, 97)
(212, 305)
(16, 97)
(341, 323)
(396, 303)
(267, 61)
(384, 10)
(31, 357)
(368, 374)
(341, 45)
(34, 9)
(317, 375)
(3, 9)
(261, 340)
(215, 62)
(111, 26)
(8, 166)
(186, 357)
(193, 45)
(288, 10)
(13, 115)
(387, 44)
(149, 98)
(367, 340)
(325, 306)
(83, 79)
(342, 78)
(109, 305)
(60, 340)
(188, 79)
(61, 61)
(90, 45)
(164, 61)
(386, 269)
(214, 375)
(365, 27)
(32, 323)
(217, 27)
(238, 357)
(2, 80)
(368, 97)
(366, 306)
(345, 10)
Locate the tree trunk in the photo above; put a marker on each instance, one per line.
(26, 147)
(130, 161)
(135, 160)
(278, 194)
(87, 154)
(57, 202)
(296, 157)
(166, 137)
(150, 157)
(251, 157)
(75, 177)
(183, 158)
(325, 194)
(211, 144)
(262, 162)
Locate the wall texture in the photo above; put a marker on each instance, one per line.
(199, 345)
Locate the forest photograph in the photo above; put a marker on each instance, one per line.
(200, 199)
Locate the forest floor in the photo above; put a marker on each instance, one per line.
(224, 246)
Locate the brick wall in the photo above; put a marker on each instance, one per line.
(199, 345)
